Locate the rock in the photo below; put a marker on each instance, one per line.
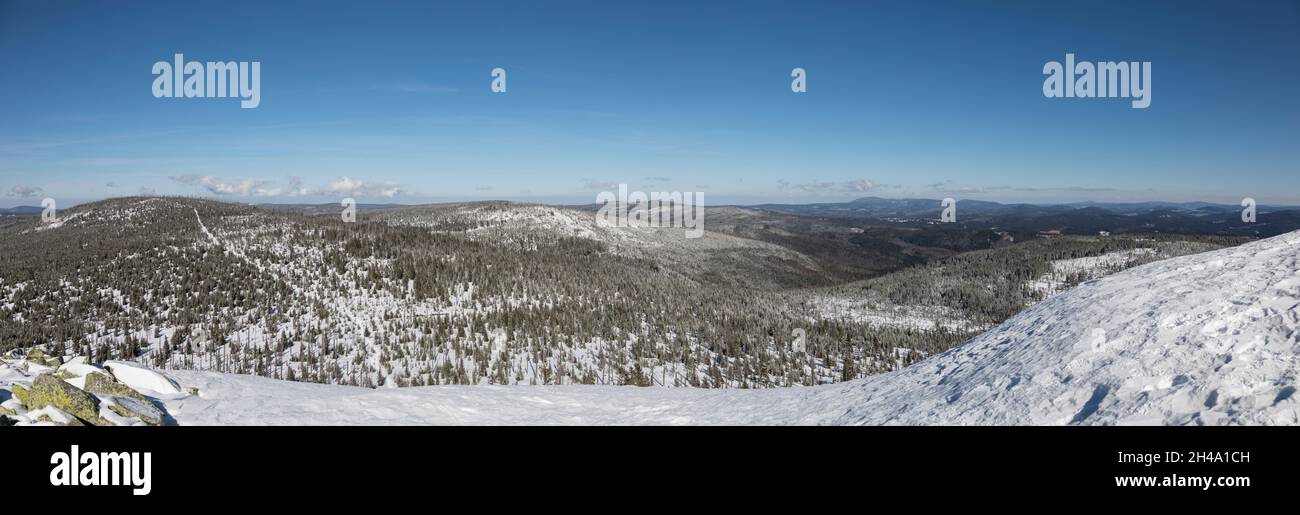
(39, 358)
(55, 416)
(13, 404)
(72, 421)
(48, 390)
(20, 393)
(7, 411)
(6, 421)
(139, 377)
(78, 367)
(194, 390)
(103, 384)
(143, 410)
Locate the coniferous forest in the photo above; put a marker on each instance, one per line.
(503, 293)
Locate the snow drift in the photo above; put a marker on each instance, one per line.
(1206, 339)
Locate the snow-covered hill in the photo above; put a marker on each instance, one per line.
(718, 256)
(1212, 339)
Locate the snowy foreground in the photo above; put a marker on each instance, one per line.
(1211, 338)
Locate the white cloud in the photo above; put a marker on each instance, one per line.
(592, 184)
(346, 184)
(852, 186)
(241, 188)
(859, 185)
(26, 191)
(293, 188)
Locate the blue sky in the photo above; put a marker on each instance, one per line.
(905, 99)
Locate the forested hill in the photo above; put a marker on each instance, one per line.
(508, 293)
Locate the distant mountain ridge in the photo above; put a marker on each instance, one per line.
(911, 206)
(21, 210)
(1075, 218)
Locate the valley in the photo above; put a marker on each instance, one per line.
(506, 293)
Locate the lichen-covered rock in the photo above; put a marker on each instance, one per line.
(104, 384)
(40, 358)
(129, 407)
(7, 411)
(54, 415)
(72, 421)
(48, 390)
(20, 393)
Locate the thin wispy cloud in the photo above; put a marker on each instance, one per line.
(416, 87)
(69, 119)
(293, 187)
(401, 86)
(828, 187)
(948, 186)
(26, 191)
(592, 184)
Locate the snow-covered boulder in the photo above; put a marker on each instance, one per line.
(95, 398)
(103, 384)
(78, 367)
(143, 410)
(48, 390)
(140, 377)
(50, 415)
(38, 357)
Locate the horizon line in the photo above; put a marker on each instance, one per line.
(231, 200)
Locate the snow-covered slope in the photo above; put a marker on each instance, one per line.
(1212, 338)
